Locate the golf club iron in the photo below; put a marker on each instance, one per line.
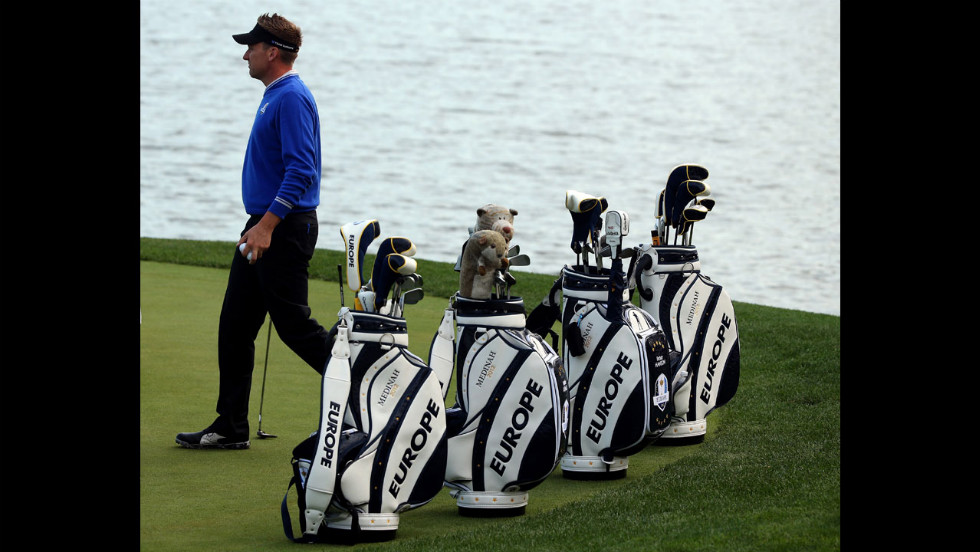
(509, 280)
(396, 291)
(519, 260)
(499, 282)
(261, 434)
(410, 297)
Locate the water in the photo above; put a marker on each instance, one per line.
(431, 109)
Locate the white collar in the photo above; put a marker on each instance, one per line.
(284, 75)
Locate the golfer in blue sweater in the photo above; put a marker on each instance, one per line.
(269, 272)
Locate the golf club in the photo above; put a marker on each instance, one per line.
(624, 253)
(396, 245)
(499, 282)
(657, 235)
(340, 280)
(706, 202)
(413, 280)
(261, 434)
(617, 227)
(401, 246)
(688, 218)
(509, 280)
(410, 297)
(598, 258)
(366, 298)
(519, 260)
(679, 174)
(686, 191)
(396, 292)
(386, 273)
(357, 236)
(586, 211)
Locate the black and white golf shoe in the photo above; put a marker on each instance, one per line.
(209, 439)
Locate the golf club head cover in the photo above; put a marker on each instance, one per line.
(509, 424)
(357, 237)
(400, 246)
(381, 445)
(678, 175)
(618, 367)
(698, 318)
(617, 227)
(689, 215)
(586, 211)
(684, 193)
(705, 201)
(386, 272)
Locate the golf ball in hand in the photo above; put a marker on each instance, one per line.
(242, 249)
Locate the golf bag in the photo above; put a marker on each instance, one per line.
(380, 448)
(509, 424)
(619, 372)
(698, 320)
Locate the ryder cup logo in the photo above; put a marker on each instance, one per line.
(661, 395)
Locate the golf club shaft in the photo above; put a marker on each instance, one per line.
(265, 369)
(340, 279)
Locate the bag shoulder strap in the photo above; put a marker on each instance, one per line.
(287, 524)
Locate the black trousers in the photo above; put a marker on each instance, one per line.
(276, 284)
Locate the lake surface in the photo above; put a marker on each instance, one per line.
(431, 109)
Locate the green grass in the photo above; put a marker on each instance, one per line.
(767, 476)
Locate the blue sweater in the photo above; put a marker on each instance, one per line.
(281, 172)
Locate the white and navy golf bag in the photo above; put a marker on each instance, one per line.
(380, 448)
(698, 319)
(619, 373)
(509, 424)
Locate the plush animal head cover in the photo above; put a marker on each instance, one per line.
(484, 253)
(496, 217)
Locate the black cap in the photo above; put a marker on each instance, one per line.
(258, 34)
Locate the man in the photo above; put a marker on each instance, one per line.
(269, 273)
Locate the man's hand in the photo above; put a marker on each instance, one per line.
(258, 238)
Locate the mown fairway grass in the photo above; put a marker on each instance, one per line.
(767, 476)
